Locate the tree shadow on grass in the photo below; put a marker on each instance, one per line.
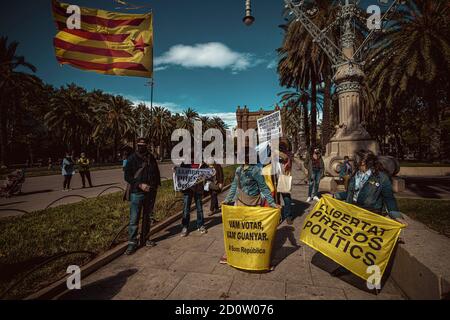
(104, 289)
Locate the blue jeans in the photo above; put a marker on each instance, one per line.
(286, 211)
(187, 200)
(140, 202)
(314, 182)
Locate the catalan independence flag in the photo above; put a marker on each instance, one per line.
(107, 42)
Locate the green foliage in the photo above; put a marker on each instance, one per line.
(433, 213)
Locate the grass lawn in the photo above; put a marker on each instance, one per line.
(423, 164)
(433, 213)
(89, 225)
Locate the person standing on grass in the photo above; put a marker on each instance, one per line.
(142, 174)
(85, 171)
(68, 170)
(215, 187)
(316, 171)
(196, 193)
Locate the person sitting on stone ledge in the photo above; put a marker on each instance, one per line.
(370, 188)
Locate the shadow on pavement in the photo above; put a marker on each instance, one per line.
(299, 208)
(428, 187)
(34, 192)
(328, 265)
(97, 186)
(96, 290)
(279, 251)
(11, 203)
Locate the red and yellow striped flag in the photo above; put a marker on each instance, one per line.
(108, 42)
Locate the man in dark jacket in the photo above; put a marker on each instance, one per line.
(142, 174)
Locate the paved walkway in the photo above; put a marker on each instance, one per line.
(38, 192)
(188, 268)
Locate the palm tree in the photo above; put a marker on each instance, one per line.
(219, 124)
(118, 120)
(161, 127)
(187, 120)
(10, 80)
(71, 117)
(304, 66)
(413, 57)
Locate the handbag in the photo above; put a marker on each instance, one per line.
(284, 183)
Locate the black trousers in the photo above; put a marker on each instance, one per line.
(84, 175)
(66, 183)
(214, 202)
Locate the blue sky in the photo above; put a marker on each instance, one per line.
(246, 76)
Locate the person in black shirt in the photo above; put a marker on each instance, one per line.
(143, 176)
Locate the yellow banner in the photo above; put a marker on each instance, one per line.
(353, 237)
(249, 233)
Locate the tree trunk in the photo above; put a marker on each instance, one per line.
(3, 141)
(326, 121)
(313, 111)
(115, 148)
(306, 123)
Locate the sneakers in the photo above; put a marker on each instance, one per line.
(130, 250)
(184, 232)
(223, 260)
(316, 198)
(309, 199)
(202, 230)
(150, 243)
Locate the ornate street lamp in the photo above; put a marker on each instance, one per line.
(347, 61)
(248, 19)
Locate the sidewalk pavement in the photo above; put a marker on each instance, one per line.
(188, 269)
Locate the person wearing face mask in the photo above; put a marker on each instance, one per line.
(142, 174)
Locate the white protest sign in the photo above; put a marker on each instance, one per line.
(269, 127)
(185, 178)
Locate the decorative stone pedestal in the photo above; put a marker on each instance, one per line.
(398, 184)
(328, 184)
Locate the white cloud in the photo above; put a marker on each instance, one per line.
(228, 117)
(273, 64)
(205, 55)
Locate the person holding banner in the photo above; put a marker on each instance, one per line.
(195, 192)
(370, 188)
(248, 188)
(316, 171)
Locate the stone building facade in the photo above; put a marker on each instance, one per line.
(246, 119)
